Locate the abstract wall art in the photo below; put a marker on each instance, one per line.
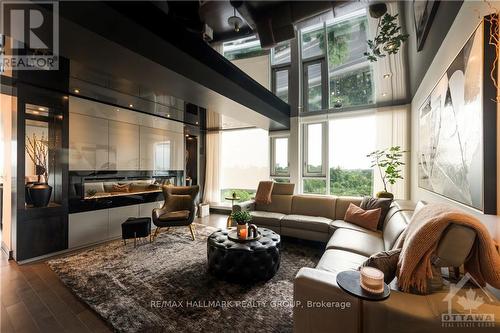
(453, 159)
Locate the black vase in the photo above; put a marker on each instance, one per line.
(40, 194)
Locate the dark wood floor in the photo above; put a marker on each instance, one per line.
(33, 299)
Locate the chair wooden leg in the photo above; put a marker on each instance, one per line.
(157, 231)
(192, 229)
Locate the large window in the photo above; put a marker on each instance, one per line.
(280, 63)
(244, 161)
(340, 146)
(279, 157)
(350, 140)
(336, 72)
(242, 48)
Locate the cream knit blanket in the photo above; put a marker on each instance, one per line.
(421, 240)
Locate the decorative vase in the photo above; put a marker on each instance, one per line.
(27, 197)
(384, 194)
(40, 194)
(242, 231)
(252, 231)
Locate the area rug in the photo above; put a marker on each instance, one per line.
(164, 286)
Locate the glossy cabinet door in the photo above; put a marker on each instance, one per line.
(177, 150)
(146, 210)
(117, 216)
(152, 149)
(88, 143)
(124, 144)
(88, 228)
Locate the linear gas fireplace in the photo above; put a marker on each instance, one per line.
(93, 190)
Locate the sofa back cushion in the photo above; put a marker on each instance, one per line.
(396, 221)
(312, 205)
(342, 203)
(281, 199)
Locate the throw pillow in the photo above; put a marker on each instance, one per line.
(263, 195)
(386, 261)
(364, 218)
(372, 203)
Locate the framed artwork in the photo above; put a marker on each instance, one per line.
(457, 130)
(423, 15)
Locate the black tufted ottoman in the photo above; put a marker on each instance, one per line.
(135, 227)
(244, 262)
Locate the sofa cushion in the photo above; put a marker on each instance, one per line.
(179, 215)
(336, 261)
(314, 223)
(337, 224)
(313, 205)
(341, 205)
(363, 243)
(394, 227)
(266, 218)
(280, 203)
(385, 261)
(364, 218)
(372, 203)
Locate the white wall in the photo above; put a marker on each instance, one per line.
(464, 25)
(258, 68)
(7, 103)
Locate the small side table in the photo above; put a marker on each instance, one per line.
(232, 199)
(348, 281)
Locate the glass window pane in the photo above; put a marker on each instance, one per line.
(281, 156)
(314, 186)
(314, 148)
(314, 89)
(347, 42)
(280, 54)
(281, 180)
(313, 41)
(350, 171)
(351, 88)
(242, 48)
(281, 84)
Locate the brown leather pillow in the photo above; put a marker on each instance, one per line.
(120, 188)
(364, 218)
(263, 195)
(383, 203)
(386, 261)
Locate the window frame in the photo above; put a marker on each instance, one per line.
(279, 68)
(272, 150)
(324, 150)
(305, 86)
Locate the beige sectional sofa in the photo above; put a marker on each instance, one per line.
(320, 218)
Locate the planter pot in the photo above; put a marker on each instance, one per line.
(384, 194)
(40, 194)
(27, 194)
(242, 231)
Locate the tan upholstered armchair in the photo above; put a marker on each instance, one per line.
(178, 209)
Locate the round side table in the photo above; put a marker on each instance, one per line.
(232, 199)
(348, 281)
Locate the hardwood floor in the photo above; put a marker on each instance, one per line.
(33, 299)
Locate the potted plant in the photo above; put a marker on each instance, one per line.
(242, 219)
(388, 161)
(38, 151)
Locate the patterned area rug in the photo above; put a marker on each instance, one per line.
(165, 287)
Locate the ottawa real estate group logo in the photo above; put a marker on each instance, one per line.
(29, 35)
(473, 301)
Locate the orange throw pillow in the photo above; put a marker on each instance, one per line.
(263, 195)
(364, 218)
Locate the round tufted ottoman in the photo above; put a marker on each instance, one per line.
(250, 261)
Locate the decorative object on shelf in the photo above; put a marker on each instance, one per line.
(242, 218)
(388, 161)
(38, 150)
(423, 15)
(388, 38)
(457, 129)
(253, 231)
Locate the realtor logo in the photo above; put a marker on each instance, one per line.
(29, 35)
(470, 301)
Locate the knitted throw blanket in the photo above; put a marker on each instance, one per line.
(421, 240)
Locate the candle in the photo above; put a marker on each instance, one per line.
(372, 280)
(243, 233)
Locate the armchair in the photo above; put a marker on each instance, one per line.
(177, 210)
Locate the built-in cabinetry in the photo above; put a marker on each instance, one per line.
(100, 225)
(104, 138)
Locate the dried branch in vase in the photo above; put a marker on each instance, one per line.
(38, 151)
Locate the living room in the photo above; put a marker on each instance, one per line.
(275, 166)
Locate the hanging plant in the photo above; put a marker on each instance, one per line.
(388, 39)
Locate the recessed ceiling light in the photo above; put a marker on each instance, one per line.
(76, 91)
(168, 116)
(131, 105)
(387, 75)
(41, 109)
(35, 112)
(187, 135)
(384, 94)
(65, 97)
